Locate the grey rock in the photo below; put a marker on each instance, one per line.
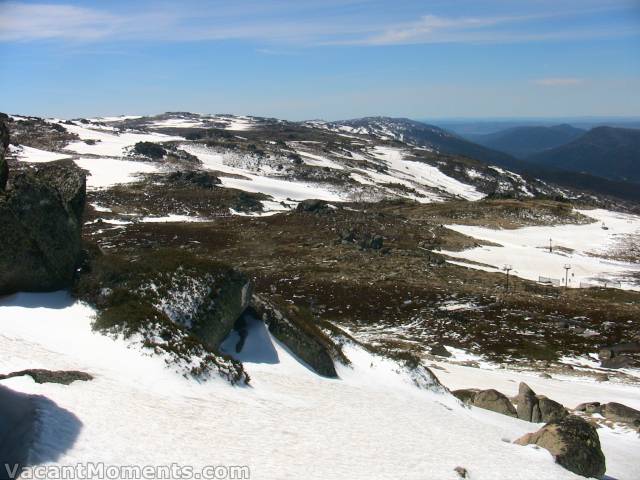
(197, 178)
(550, 410)
(462, 472)
(589, 407)
(465, 395)
(63, 377)
(613, 350)
(537, 408)
(617, 412)
(313, 206)
(225, 304)
(527, 404)
(618, 361)
(494, 401)
(440, 350)
(574, 444)
(487, 399)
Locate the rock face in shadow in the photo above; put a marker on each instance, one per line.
(574, 444)
(487, 399)
(21, 426)
(4, 145)
(225, 304)
(306, 341)
(40, 226)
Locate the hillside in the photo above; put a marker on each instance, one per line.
(421, 134)
(608, 152)
(525, 141)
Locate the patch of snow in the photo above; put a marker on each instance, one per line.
(110, 144)
(425, 174)
(527, 249)
(35, 155)
(106, 172)
(172, 218)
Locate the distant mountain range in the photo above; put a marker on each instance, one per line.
(613, 153)
(522, 142)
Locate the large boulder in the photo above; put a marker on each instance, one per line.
(537, 408)
(574, 444)
(313, 206)
(550, 410)
(4, 145)
(614, 357)
(221, 307)
(527, 404)
(40, 226)
(617, 412)
(487, 399)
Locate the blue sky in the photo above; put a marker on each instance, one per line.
(330, 59)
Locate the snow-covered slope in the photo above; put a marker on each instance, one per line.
(372, 423)
(590, 251)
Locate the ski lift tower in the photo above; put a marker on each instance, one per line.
(567, 267)
(507, 268)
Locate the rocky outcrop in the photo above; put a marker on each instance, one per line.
(313, 206)
(40, 225)
(574, 444)
(615, 356)
(194, 178)
(225, 303)
(613, 412)
(487, 399)
(63, 377)
(537, 408)
(4, 145)
(305, 340)
(617, 412)
(440, 350)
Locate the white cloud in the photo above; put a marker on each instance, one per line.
(558, 81)
(284, 23)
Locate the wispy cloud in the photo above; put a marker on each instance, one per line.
(558, 81)
(277, 22)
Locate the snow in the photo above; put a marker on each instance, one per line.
(371, 423)
(527, 250)
(177, 123)
(35, 155)
(106, 172)
(257, 182)
(110, 144)
(425, 174)
(318, 160)
(116, 118)
(237, 123)
(172, 218)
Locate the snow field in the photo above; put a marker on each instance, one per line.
(370, 424)
(527, 250)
